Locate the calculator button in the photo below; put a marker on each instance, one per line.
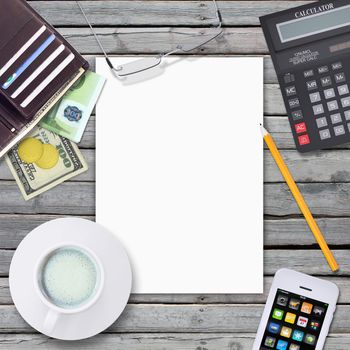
(300, 128)
(326, 81)
(339, 130)
(336, 118)
(318, 109)
(323, 69)
(343, 89)
(325, 134)
(315, 97)
(303, 140)
(329, 93)
(333, 105)
(289, 78)
(297, 115)
(321, 122)
(309, 73)
(347, 115)
(339, 77)
(291, 90)
(294, 102)
(311, 85)
(345, 102)
(337, 65)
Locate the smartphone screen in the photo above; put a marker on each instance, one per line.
(294, 323)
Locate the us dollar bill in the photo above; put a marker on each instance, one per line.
(31, 179)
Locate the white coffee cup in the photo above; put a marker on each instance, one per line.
(72, 263)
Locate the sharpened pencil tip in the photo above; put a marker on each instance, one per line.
(263, 130)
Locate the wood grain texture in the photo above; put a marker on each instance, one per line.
(233, 40)
(186, 318)
(307, 261)
(188, 322)
(78, 198)
(145, 341)
(277, 232)
(321, 166)
(342, 282)
(158, 13)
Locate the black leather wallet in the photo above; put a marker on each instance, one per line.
(37, 65)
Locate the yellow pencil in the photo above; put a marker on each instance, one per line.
(300, 200)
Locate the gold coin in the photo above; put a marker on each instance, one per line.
(30, 150)
(49, 157)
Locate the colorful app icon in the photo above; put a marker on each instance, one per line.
(298, 335)
(315, 325)
(277, 314)
(270, 342)
(274, 327)
(306, 307)
(286, 332)
(282, 345)
(310, 339)
(282, 300)
(302, 321)
(290, 318)
(294, 304)
(318, 311)
(294, 347)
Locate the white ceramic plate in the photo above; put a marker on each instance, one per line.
(104, 244)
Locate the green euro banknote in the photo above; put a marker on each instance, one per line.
(71, 114)
(33, 180)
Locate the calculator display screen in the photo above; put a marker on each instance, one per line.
(314, 24)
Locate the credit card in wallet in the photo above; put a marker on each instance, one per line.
(28, 61)
(22, 50)
(48, 80)
(37, 72)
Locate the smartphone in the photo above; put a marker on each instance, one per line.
(298, 313)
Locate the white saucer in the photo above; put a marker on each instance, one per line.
(116, 266)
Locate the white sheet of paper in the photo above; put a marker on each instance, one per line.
(179, 173)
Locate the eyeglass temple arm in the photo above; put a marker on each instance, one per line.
(96, 37)
(218, 13)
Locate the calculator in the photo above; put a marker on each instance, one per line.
(310, 50)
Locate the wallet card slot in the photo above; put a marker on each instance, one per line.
(20, 44)
(26, 60)
(47, 81)
(50, 79)
(36, 69)
(33, 65)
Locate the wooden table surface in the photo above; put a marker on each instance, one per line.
(196, 322)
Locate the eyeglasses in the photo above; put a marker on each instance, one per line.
(144, 64)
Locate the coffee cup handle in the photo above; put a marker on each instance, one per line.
(50, 321)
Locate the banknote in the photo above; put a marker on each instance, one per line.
(71, 114)
(33, 180)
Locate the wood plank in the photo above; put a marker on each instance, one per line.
(342, 282)
(277, 232)
(245, 40)
(78, 198)
(160, 318)
(144, 341)
(321, 166)
(307, 261)
(161, 13)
